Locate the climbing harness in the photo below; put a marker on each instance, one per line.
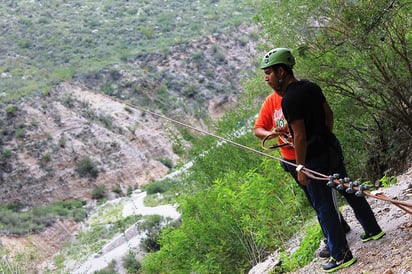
(333, 181)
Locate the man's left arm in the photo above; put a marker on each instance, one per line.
(299, 142)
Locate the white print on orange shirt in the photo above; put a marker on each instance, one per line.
(279, 119)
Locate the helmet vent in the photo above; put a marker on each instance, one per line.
(268, 55)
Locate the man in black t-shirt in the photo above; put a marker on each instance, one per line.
(310, 120)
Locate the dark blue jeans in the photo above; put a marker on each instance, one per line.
(328, 163)
(292, 170)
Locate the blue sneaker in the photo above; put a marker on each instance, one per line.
(334, 265)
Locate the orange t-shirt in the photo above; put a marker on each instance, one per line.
(270, 117)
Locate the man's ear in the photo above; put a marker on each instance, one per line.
(279, 72)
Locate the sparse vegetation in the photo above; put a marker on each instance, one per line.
(17, 220)
(106, 121)
(19, 134)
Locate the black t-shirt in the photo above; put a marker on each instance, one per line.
(304, 101)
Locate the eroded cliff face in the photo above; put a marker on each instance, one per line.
(72, 123)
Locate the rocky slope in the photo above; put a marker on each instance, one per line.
(67, 126)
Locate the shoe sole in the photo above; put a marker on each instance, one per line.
(346, 264)
(374, 237)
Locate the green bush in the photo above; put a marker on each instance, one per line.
(68, 100)
(154, 187)
(106, 120)
(198, 57)
(117, 190)
(150, 243)
(239, 212)
(62, 141)
(99, 192)
(63, 73)
(304, 254)
(130, 263)
(45, 159)
(107, 88)
(5, 153)
(167, 162)
(129, 191)
(11, 111)
(110, 269)
(150, 222)
(20, 134)
(179, 149)
(87, 168)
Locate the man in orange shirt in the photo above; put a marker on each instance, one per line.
(271, 121)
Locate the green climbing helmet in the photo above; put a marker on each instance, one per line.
(278, 56)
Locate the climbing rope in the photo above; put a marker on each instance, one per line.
(283, 138)
(333, 181)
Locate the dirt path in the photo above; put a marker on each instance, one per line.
(118, 247)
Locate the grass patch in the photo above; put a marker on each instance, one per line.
(160, 193)
(165, 198)
(19, 221)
